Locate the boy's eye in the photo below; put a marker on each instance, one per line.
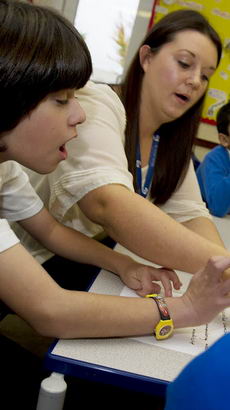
(62, 102)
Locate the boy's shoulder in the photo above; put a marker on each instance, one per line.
(218, 151)
(216, 156)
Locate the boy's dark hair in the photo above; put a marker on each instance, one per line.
(40, 52)
(223, 119)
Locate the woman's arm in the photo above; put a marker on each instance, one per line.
(143, 228)
(186, 206)
(205, 228)
(52, 311)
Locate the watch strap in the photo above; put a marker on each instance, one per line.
(161, 305)
(164, 328)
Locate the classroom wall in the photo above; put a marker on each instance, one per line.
(67, 7)
(206, 132)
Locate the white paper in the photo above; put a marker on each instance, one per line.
(189, 340)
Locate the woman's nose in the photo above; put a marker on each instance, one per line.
(194, 79)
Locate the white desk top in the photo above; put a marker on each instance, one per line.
(127, 354)
(223, 226)
(122, 353)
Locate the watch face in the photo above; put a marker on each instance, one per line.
(165, 330)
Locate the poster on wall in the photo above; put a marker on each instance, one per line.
(218, 14)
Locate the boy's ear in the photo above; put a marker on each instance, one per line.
(224, 140)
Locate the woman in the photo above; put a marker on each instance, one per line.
(163, 92)
(171, 108)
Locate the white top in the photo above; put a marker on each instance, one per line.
(18, 201)
(185, 203)
(96, 158)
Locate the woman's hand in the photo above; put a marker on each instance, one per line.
(207, 294)
(226, 274)
(141, 278)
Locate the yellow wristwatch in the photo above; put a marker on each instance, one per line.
(165, 326)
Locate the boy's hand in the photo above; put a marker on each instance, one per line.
(141, 278)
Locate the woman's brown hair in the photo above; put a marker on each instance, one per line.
(176, 137)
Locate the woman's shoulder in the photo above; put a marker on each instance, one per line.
(100, 93)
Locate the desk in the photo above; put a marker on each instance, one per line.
(122, 361)
(223, 226)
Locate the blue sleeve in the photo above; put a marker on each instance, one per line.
(214, 178)
(204, 382)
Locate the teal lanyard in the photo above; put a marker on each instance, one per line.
(143, 190)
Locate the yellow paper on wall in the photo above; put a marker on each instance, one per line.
(218, 14)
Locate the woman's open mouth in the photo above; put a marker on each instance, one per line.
(182, 97)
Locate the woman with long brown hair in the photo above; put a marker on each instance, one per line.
(93, 191)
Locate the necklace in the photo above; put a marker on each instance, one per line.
(144, 189)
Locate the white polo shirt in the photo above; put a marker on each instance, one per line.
(18, 201)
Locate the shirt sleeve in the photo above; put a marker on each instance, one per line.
(17, 197)
(96, 157)
(186, 202)
(7, 236)
(214, 177)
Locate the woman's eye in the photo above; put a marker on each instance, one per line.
(183, 64)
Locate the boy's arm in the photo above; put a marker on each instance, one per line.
(52, 311)
(76, 246)
(216, 185)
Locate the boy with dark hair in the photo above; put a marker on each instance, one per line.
(214, 172)
(42, 61)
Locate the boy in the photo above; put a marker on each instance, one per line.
(42, 61)
(214, 171)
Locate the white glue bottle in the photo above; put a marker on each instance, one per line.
(52, 392)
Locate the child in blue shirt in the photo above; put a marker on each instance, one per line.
(214, 172)
(204, 382)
